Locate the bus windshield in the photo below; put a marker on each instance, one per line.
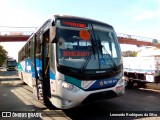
(11, 63)
(99, 50)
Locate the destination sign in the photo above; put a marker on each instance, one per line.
(73, 24)
(75, 53)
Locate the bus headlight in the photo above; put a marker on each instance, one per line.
(70, 87)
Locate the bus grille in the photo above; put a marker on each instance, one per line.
(99, 96)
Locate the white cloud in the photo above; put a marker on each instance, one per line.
(12, 15)
(145, 14)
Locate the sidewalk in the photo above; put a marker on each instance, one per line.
(16, 97)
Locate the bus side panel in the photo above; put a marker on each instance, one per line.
(39, 68)
(53, 88)
(25, 71)
(53, 81)
(20, 69)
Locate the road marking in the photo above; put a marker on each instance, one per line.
(149, 89)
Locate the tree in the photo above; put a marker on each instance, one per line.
(129, 54)
(3, 55)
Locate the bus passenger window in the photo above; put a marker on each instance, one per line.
(38, 46)
(29, 49)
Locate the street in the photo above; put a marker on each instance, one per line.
(135, 100)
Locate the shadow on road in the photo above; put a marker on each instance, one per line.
(8, 75)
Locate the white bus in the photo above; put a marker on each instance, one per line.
(11, 64)
(71, 61)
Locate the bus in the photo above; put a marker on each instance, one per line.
(70, 61)
(11, 64)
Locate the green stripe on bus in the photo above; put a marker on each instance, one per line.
(73, 81)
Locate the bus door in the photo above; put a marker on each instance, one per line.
(45, 67)
(37, 90)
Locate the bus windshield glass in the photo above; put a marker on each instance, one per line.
(87, 46)
(11, 63)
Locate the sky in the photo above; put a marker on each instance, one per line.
(133, 17)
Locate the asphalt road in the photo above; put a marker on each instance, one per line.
(136, 101)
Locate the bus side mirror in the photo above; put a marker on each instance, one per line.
(53, 34)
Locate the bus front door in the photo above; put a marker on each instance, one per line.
(45, 68)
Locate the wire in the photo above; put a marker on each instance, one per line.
(17, 27)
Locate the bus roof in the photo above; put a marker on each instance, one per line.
(53, 17)
(11, 59)
(80, 18)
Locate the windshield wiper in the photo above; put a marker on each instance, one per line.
(100, 46)
(91, 51)
(87, 60)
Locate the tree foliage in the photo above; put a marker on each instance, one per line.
(129, 54)
(3, 55)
